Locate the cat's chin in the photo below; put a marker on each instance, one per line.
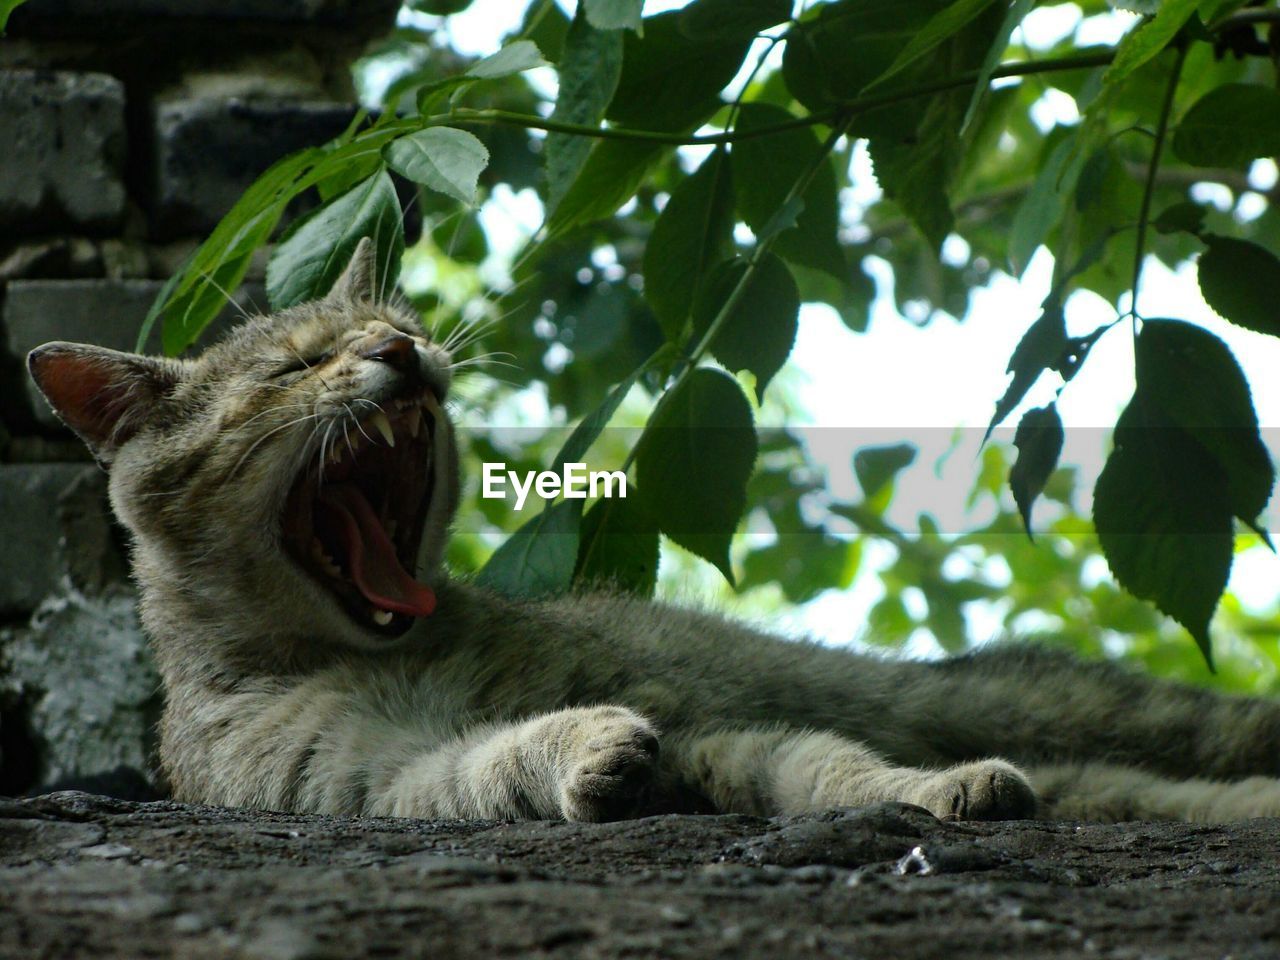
(353, 519)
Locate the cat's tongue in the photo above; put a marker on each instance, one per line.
(371, 557)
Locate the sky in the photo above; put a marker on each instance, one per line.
(899, 381)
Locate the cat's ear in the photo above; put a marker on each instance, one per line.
(103, 395)
(357, 281)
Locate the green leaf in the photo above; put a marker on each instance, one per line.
(915, 175)
(614, 14)
(538, 559)
(443, 159)
(759, 331)
(765, 168)
(515, 57)
(6, 10)
(317, 248)
(589, 71)
(1185, 217)
(916, 147)
(1241, 281)
(803, 564)
(1039, 441)
(1144, 7)
(1045, 203)
(619, 545)
(850, 295)
(1230, 126)
(876, 467)
(712, 20)
(670, 81)
(694, 232)
(153, 312)
(942, 26)
(589, 429)
(609, 178)
(1159, 509)
(1190, 377)
(1148, 38)
(833, 56)
(1017, 11)
(439, 8)
(1037, 351)
(220, 263)
(547, 26)
(693, 463)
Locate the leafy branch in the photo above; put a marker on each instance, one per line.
(836, 114)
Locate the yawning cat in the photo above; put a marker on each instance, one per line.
(289, 492)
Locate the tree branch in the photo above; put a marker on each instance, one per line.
(1149, 189)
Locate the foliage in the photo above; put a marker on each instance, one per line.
(665, 285)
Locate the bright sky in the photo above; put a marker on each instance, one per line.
(900, 382)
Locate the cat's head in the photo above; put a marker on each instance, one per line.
(295, 475)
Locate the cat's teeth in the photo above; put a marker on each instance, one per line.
(326, 562)
(379, 420)
(415, 421)
(382, 617)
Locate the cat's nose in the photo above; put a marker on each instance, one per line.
(397, 351)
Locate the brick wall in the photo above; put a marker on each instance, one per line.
(127, 128)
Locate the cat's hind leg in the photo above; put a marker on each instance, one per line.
(771, 771)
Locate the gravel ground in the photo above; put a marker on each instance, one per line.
(87, 876)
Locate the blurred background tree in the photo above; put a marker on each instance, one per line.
(626, 205)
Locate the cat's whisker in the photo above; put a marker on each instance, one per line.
(347, 438)
(468, 333)
(262, 439)
(270, 410)
(231, 301)
(483, 363)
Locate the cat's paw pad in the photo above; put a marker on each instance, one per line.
(984, 790)
(613, 766)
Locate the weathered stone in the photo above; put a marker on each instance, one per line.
(55, 530)
(85, 687)
(103, 312)
(63, 156)
(209, 151)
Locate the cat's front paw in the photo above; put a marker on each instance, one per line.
(611, 765)
(984, 790)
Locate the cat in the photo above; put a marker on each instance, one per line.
(281, 490)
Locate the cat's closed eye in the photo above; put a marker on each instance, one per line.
(300, 363)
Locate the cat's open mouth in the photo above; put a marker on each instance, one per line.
(354, 517)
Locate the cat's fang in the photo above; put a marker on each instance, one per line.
(379, 420)
(414, 420)
(326, 562)
(382, 617)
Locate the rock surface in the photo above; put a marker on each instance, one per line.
(64, 143)
(85, 876)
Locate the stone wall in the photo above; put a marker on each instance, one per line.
(128, 127)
